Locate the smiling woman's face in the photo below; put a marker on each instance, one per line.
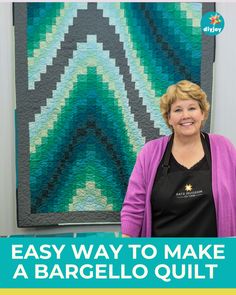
(186, 117)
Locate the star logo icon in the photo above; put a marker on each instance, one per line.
(188, 187)
(215, 20)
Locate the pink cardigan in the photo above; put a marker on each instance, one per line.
(136, 211)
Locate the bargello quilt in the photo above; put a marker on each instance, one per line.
(89, 77)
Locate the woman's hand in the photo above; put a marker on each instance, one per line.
(125, 236)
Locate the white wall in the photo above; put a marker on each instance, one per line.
(223, 112)
(224, 94)
(7, 175)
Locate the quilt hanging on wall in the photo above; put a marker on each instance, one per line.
(89, 77)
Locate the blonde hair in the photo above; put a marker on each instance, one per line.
(183, 90)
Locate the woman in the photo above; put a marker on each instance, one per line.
(183, 185)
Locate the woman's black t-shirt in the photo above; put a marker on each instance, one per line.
(182, 200)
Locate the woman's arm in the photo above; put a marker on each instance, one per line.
(132, 212)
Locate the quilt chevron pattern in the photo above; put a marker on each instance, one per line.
(89, 77)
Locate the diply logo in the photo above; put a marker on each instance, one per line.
(212, 23)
